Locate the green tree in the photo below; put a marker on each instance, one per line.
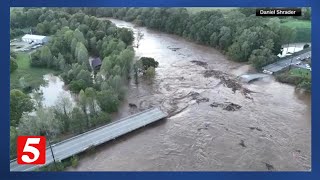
(83, 102)
(43, 120)
(73, 46)
(108, 100)
(13, 142)
(263, 56)
(101, 118)
(61, 61)
(46, 56)
(85, 76)
(126, 35)
(81, 53)
(146, 62)
(63, 108)
(225, 37)
(78, 121)
(19, 103)
(78, 35)
(91, 100)
(13, 65)
(150, 72)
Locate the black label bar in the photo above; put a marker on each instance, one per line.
(278, 12)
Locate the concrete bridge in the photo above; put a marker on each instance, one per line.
(95, 137)
(252, 77)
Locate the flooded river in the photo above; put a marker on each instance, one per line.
(215, 123)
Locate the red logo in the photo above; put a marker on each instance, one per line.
(31, 150)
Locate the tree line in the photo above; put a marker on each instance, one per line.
(239, 34)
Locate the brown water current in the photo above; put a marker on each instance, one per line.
(216, 123)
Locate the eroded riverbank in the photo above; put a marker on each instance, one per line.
(267, 128)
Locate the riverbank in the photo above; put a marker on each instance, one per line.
(300, 78)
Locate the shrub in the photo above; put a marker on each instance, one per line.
(74, 161)
(150, 72)
(13, 65)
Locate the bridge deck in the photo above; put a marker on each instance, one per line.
(250, 77)
(80, 143)
(285, 62)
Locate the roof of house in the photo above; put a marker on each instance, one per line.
(96, 62)
(33, 36)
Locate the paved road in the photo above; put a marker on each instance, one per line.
(278, 66)
(80, 143)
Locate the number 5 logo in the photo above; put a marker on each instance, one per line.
(31, 150)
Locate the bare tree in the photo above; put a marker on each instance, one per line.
(139, 37)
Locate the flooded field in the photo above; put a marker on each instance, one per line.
(53, 90)
(292, 48)
(215, 122)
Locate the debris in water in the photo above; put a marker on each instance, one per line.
(173, 48)
(255, 128)
(206, 126)
(202, 100)
(242, 143)
(214, 104)
(232, 107)
(228, 82)
(196, 96)
(269, 166)
(227, 106)
(214, 73)
(132, 105)
(200, 63)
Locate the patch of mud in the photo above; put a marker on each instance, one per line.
(228, 106)
(200, 63)
(228, 82)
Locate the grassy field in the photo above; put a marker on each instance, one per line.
(294, 23)
(304, 73)
(199, 9)
(32, 76)
(303, 28)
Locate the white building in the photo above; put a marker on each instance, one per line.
(34, 38)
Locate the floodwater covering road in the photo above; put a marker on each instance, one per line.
(216, 123)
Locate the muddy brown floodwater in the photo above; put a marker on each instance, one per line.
(216, 123)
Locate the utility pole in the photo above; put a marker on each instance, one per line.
(44, 132)
(54, 160)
